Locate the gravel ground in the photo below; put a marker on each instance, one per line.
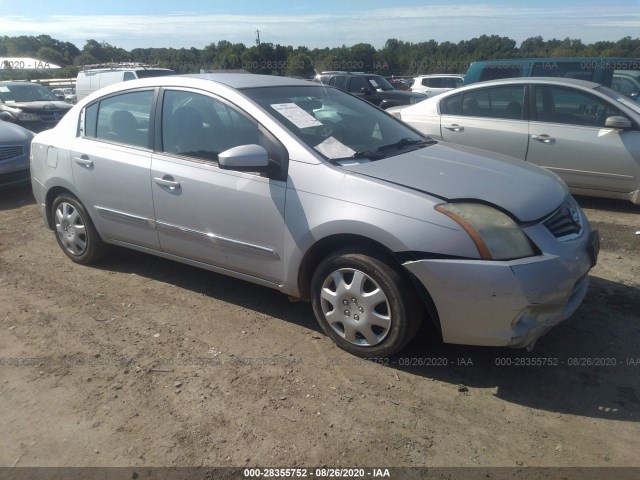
(140, 361)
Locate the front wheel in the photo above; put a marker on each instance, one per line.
(75, 232)
(367, 306)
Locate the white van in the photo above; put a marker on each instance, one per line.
(94, 77)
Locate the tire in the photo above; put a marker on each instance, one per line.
(75, 232)
(367, 306)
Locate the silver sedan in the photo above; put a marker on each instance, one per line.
(306, 189)
(586, 133)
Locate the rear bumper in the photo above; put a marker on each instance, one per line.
(513, 303)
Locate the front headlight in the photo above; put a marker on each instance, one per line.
(496, 235)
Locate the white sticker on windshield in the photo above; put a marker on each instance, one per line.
(4, 89)
(374, 83)
(296, 115)
(332, 148)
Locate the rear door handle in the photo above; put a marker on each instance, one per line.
(84, 161)
(454, 127)
(543, 138)
(167, 181)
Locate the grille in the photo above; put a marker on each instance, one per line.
(566, 223)
(10, 151)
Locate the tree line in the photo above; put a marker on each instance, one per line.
(396, 57)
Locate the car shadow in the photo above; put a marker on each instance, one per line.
(587, 366)
(16, 197)
(607, 204)
(227, 289)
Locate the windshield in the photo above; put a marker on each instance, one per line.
(626, 101)
(337, 125)
(379, 83)
(27, 92)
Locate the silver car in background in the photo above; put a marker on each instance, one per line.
(306, 189)
(586, 133)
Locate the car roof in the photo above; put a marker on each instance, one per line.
(560, 81)
(233, 81)
(461, 75)
(9, 83)
(243, 80)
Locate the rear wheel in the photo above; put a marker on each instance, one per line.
(366, 305)
(75, 232)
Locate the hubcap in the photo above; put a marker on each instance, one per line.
(71, 229)
(356, 307)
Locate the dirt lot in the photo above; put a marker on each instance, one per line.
(142, 361)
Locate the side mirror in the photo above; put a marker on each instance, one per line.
(245, 158)
(617, 122)
(365, 90)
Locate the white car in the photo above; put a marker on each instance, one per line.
(432, 85)
(586, 133)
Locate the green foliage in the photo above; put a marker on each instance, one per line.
(396, 57)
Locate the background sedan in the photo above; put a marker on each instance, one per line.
(586, 133)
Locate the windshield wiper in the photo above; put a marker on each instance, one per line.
(378, 153)
(370, 155)
(403, 142)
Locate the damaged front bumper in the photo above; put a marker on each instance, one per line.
(507, 303)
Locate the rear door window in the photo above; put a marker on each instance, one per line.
(498, 102)
(451, 105)
(122, 118)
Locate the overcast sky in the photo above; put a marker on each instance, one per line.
(312, 23)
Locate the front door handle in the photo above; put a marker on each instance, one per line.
(167, 181)
(454, 127)
(84, 161)
(544, 138)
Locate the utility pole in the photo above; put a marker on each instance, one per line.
(259, 49)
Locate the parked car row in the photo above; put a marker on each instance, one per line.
(373, 88)
(30, 105)
(68, 94)
(303, 188)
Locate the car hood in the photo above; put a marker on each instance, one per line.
(11, 133)
(40, 105)
(454, 172)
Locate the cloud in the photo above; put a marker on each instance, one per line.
(442, 22)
